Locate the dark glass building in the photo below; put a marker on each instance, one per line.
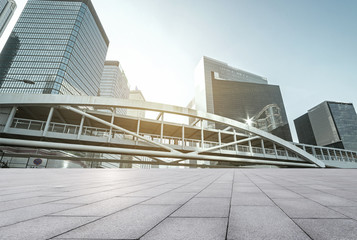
(58, 45)
(331, 124)
(240, 95)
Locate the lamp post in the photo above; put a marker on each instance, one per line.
(23, 80)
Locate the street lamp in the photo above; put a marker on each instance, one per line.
(23, 80)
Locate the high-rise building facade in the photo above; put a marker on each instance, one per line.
(138, 96)
(240, 95)
(114, 82)
(332, 124)
(7, 9)
(59, 45)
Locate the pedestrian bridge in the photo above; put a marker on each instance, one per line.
(94, 129)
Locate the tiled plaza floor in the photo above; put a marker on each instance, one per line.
(178, 204)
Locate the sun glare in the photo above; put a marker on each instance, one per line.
(249, 121)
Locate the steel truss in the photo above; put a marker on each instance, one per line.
(63, 123)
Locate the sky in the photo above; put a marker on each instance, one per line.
(308, 48)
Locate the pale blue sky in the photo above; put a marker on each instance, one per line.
(308, 48)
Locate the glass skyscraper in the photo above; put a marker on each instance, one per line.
(7, 9)
(60, 45)
(240, 95)
(331, 124)
(114, 83)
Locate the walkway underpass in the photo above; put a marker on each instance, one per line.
(87, 129)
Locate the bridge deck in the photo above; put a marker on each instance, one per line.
(178, 204)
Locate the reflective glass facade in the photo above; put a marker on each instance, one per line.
(345, 119)
(332, 124)
(305, 133)
(114, 83)
(7, 9)
(261, 103)
(59, 45)
(239, 95)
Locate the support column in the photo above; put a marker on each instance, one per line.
(10, 118)
(50, 114)
(80, 127)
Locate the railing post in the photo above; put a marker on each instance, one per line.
(162, 128)
(10, 119)
(263, 148)
(313, 151)
(183, 136)
(322, 154)
(219, 137)
(219, 140)
(111, 128)
(80, 127)
(250, 147)
(202, 135)
(137, 131)
(346, 153)
(335, 155)
(235, 139)
(276, 152)
(328, 153)
(50, 114)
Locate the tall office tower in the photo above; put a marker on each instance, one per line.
(114, 82)
(331, 124)
(7, 9)
(240, 95)
(60, 45)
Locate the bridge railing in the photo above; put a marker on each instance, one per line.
(116, 134)
(329, 154)
(322, 153)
